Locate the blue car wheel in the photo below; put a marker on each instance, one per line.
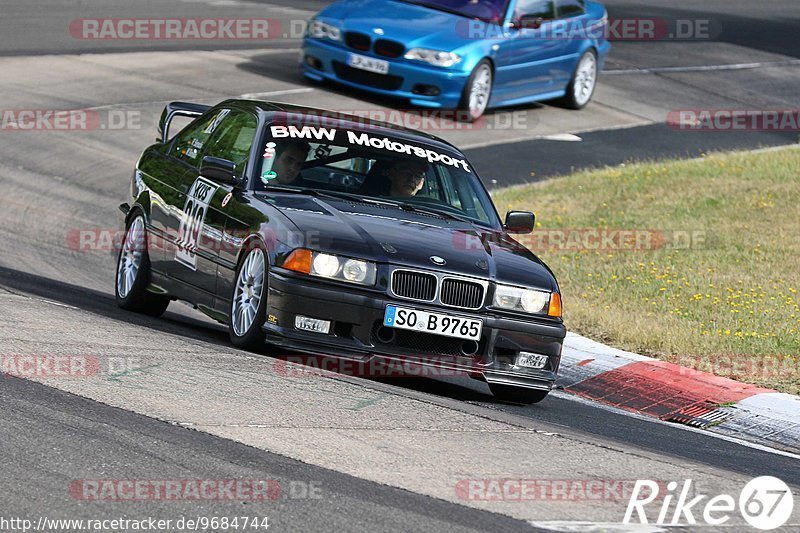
(583, 82)
(478, 91)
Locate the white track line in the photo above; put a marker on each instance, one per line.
(747, 444)
(259, 96)
(600, 527)
(704, 68)
(545, 136)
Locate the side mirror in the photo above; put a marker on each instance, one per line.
(219, 170)
(519, 222)
(528, 22)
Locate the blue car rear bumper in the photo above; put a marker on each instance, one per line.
(404, 80)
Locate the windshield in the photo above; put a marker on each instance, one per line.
(488, 10)
(371, 167)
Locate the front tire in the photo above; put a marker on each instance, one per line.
(518, 395)
(477, 91)
(249, 301)
(583, 82)
(133, 273)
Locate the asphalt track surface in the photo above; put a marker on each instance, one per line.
(63, 425)
(386, 453)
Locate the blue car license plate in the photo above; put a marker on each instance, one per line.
(370, 64)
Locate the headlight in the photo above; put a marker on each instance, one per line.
(525, 300)
(331, 266)
(434, 57)
(321, 30)
(356, 270)
(325, 265)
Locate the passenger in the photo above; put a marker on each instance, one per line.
(402, 178)
(406, 177)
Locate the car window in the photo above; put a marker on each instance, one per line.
(373, 166)
(570, 8)
(486, 10)
(233, 138)
(536, 8)
(189, 144)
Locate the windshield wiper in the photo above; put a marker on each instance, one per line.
(340, 195)
(405, 206)
(294, 190)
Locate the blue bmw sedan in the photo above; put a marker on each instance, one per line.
(469, 55)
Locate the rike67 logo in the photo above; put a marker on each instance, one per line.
(765, 503)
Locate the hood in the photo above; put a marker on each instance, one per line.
(387, 234)
(412, 25)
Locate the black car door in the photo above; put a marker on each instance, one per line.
(232, 141)
(192, 222)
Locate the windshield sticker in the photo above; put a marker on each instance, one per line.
(269, 151)
(268, 176)
(363, 139)
(197, 143)
(191, 152)
(322, 151)
(306, 132)
(193, 220)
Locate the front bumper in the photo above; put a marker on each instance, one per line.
(403, 77)
(356, 315)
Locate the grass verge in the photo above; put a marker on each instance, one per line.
(695, 262)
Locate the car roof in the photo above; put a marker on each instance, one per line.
(355, 122)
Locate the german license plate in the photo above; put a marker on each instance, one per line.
(370, 64)
(435, 323)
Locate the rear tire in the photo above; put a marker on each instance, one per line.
(133, 273)
(519, 395)
(249, 300)
(583, 82)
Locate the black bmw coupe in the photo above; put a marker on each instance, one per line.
(334, 235)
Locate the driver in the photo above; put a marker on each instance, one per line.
(289, 162)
